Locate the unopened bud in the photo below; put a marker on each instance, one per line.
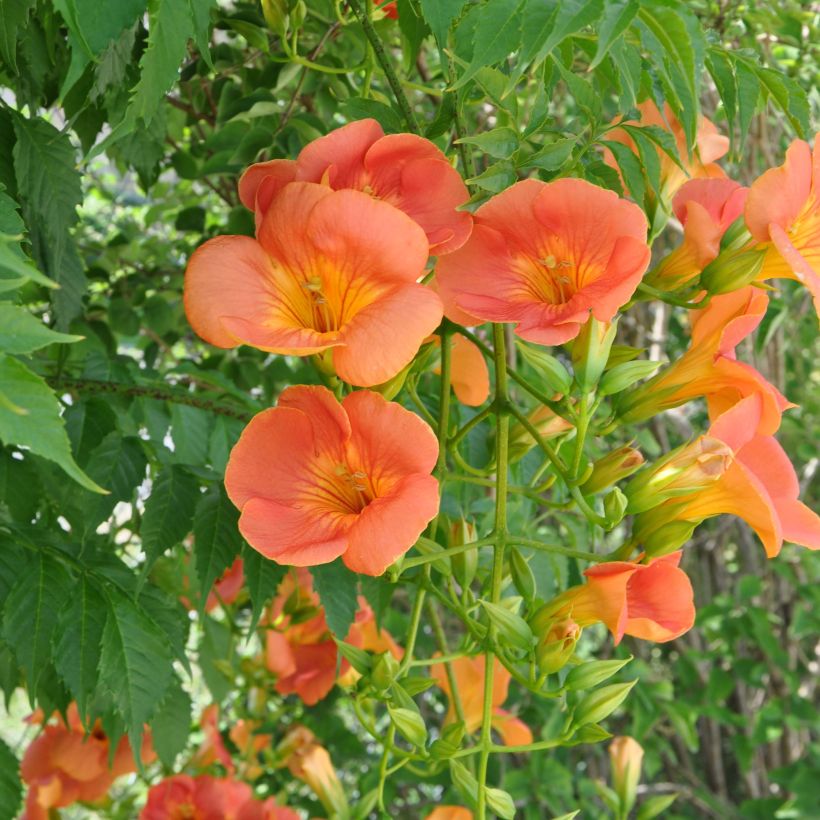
(391, 388)
(688, 469)
(500, 802)
(276, 16)
(512, 628)
(555, 648)
(384, 671)
(615, 504)
(522, 576)
(588, 675)
(659, 537)
(611, 468)
(409, 724)
(626, 757)
(732, 270)
(464, 564)
(601, 703)
(590, 351)
(548, 424)
(553, 375)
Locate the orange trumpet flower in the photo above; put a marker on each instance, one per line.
(64, 765)
(404, 170)
(469, 675)
(783, 212)
(316, 479)
(545, 256)
(709, 367)
(705, 208)
(760, 486)
(652, 601)
(315, 281)
(710, 146)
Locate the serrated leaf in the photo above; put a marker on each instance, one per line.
(94, 24)
(172, 724)
(552, 155)
(20, 332)
(570, 17)
(169, 512)
(336, 586)
(190, 430)
(11, 788)
(500, 142)
(439, 15)
(30, 615)
(630, 168)
(39, 427)
(217, 541)
(378, 591)
(77, 642)
(135, 662)
(13, 264)
(170, 616)
(617, 15)
(13, 17)
(262, 578)
(200, 11)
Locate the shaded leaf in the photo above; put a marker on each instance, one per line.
(217, 541)
(336, 586)
(11, 788)
(172, 724)
(262, 578)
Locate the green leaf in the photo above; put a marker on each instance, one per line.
(169, 512)
(631, 169)
(617, 16)
(439, 15)
(13, 18)
(500, 143)
(36, 422)
(87, 424)
(378, 591)
(190, 430)
(262, 578)
(336, 586)
(497, 34)
(172, 724)
(135, 662)
(20, 332)
(787, 95)
(496, 178)
(553, 155)
(655, 805)
(30, 615)
(200, 11)
(570, 17)
(217, 541)
(95, 24)
(78, 639)
(11, 788)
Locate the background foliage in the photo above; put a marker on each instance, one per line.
(123, 129)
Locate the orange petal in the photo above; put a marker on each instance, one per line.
(339, 154)
(470, 376)
(660, 603)
(513, 731)
(330, 423)
(275, 174)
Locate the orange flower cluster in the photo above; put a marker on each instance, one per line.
(182, 797)
(65, 764)
(300, 650)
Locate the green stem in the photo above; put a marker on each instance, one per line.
(384, 62)
(415, 620)
(500, 532)
(580, 437)
(441, 639)
(421, 560)
(557, 549)
(388, 745)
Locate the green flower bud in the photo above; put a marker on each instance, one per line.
(556, 647)
(409, 724)
(732, 270)
(601, 703)
(615, 504)
(512, 629)
(590, 351)
(589, 675)
(384, 671)
(500, 802)
(611, 468)
(522, 575)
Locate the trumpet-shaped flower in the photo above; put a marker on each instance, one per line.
(783, 212)
(404, 170)
(709, 147)
(315, 479)
(759, 485)
(709, 368)
(652, 601)
(545, 256)
(469, 675)
(300, 649)
(315, 281)
(63, 765)
(705, 208)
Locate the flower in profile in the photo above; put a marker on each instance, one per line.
(783, 212)
(182, 797)
(404, 170)
(709, 367)
(759, 485)
(315, 479)
(653, 601)
(64, 765)
(545, 256)
(309, 761)
(706, 208)
(314, 281)
(299, 647)
(625, 759)
(469, 675)
(710, 146)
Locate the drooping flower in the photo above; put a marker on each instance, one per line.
(309, 761)
(545, 256)
(759, 485)
(63, 765)
(316, 479)
(709, 367)
(710, 146)
(315, 281)
(653, 601)
(705, 208)
(182, 797)
(783, 213)
(469, 674)
(300, 649)
(404, 170)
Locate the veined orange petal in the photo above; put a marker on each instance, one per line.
(470, 376)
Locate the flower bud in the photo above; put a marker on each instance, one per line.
(465, 564)
(588, 675)
(732, 270)
(658, 536)
(522, 576)
(554, 376)
(548, 423)
(685, 470)
(615, 504)
(601, 703)
(590, 351)
(512, 629)
(276, 16)
(611, 468)
(410, 725)
(500, 802)
(555, 648)
(384, 671)
(625, 756)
